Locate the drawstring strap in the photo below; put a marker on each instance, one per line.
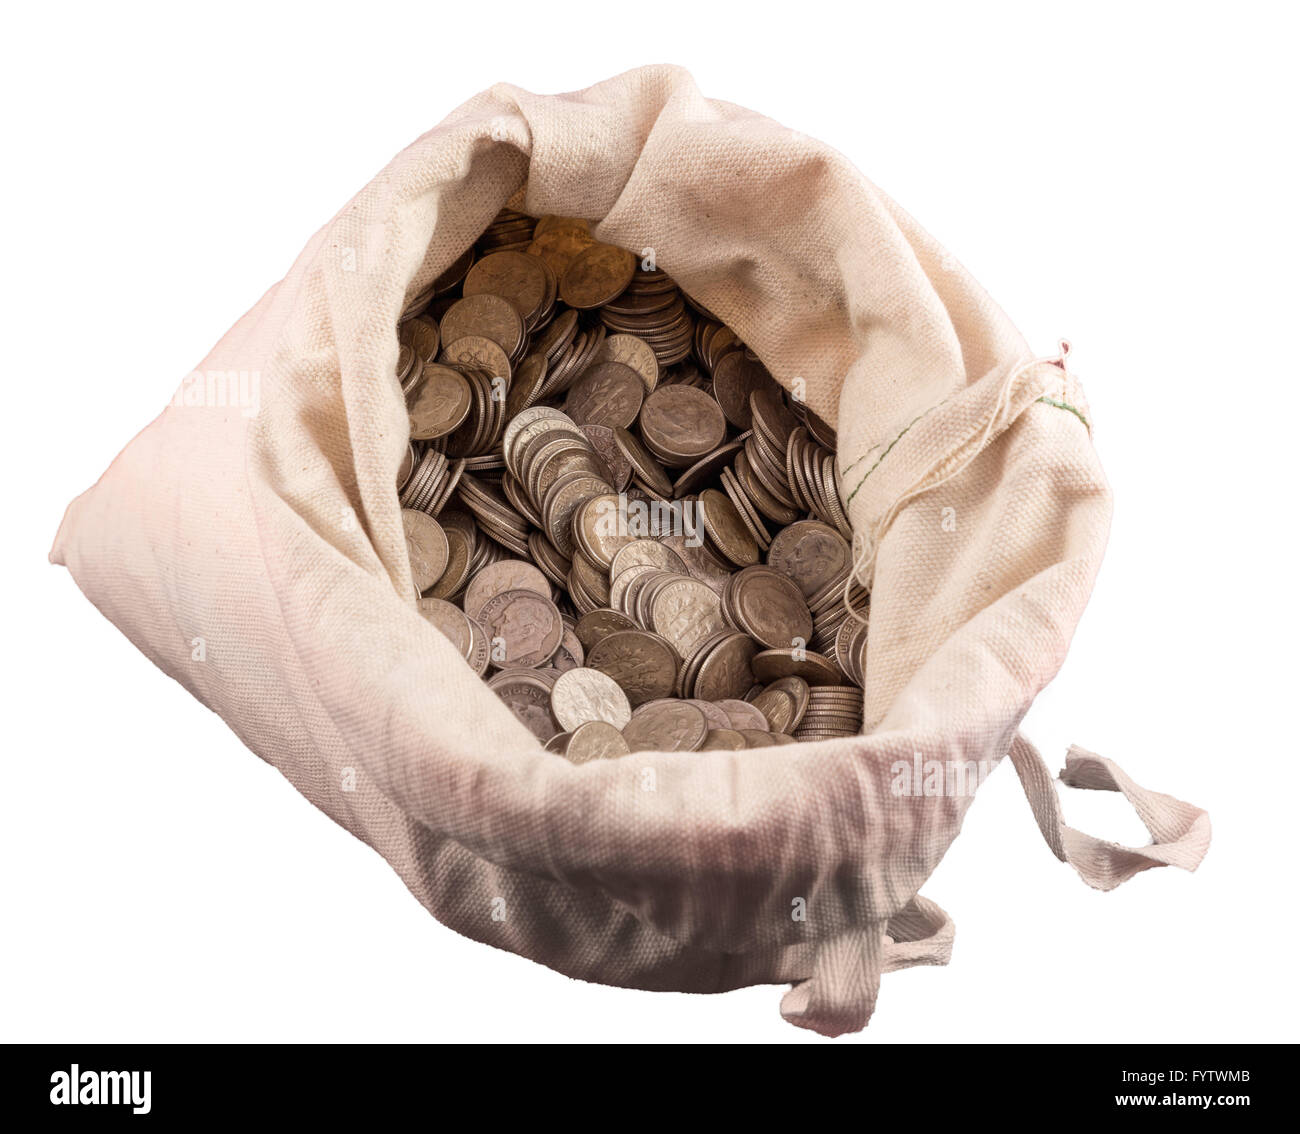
(840, 995)
(1180, 832)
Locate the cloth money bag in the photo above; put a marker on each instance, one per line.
(269, 529)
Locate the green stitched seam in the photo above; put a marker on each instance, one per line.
(1065, 406)
(895, 441)
(862, 458)
(1045, 399)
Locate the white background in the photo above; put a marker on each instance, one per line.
(1119, 175)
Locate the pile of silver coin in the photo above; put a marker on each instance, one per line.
(615, 513)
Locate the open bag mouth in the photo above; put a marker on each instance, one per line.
(978, 509)
(721, 272)
(680, 443)
(829, 283)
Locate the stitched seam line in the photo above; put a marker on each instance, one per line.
(849, 499)
(1065, 406)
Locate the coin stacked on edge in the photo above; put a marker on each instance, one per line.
(615, 513)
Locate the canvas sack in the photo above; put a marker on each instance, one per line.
(254, 551)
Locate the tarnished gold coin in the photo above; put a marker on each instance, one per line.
(514, 276)
(559, 247)
(422, 335)
(596, 275)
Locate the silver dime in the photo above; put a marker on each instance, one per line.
(528, 695)
(644, 665)
(634, 352)
(681, 424)
(607, 394)
(769, 607)
(525, 628)
(724, 740)
(811, 553)
(505, 575)
(595, 740)
(666, 726)
(784, 703)
(725, 672)
(743, 714)
(582, 695)
(646, 551)
(426, 544)
(450, 621)
(685, 612)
